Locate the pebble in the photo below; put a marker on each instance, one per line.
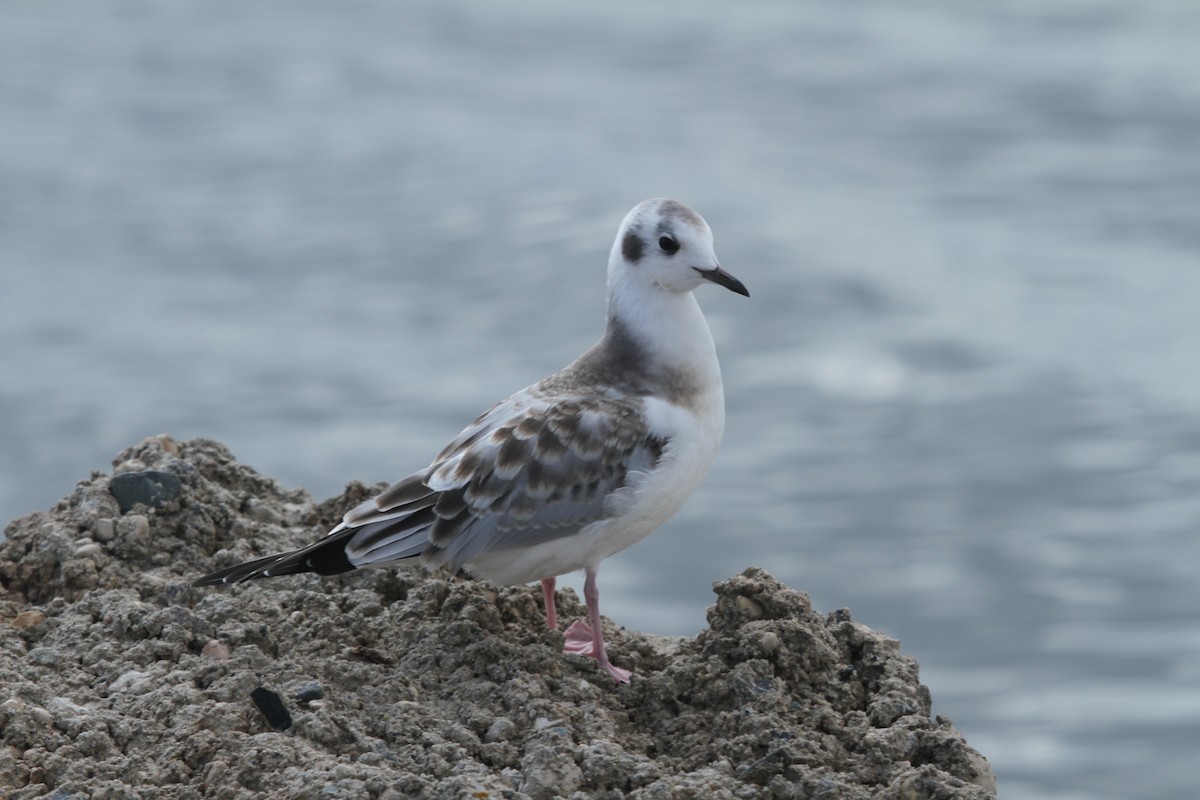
(89, 549)
(500, 730)
(134, 680)
(748, 607)
(63, 707)
(104, 530)
(134, 527)
(262, 512)
(167, 443)
(215, 649)
(271, 706)
(44, 656)
(768, 642)
(308, 692)
(27, 619)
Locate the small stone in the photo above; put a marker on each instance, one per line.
(87, 550)
(134, 680)
(768, 642)
(133, 533)
(27, 619)
(215, 649)
(271, 706)
(68, 715)
(546, 773)
(500, 730)
(748, 607)
(308, 692)
(168, 444)
(153, 488)
(80, 573)
(44, 656)
(659, 790)
(262, 512)
(128, 465)
(62, 706)
(104, 530)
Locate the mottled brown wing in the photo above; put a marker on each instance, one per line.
(518, 476)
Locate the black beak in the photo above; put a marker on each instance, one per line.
(723, 278)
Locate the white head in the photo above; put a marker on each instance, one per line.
(665, 245)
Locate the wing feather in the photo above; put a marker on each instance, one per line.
(528, 471)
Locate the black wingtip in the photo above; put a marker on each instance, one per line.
(237, 573)
(326, 557)
(329, 559)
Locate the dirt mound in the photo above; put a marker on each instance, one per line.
(119, 680)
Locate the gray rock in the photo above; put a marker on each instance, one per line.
(133, 681)
(44, 656)
(104, 530)
(548, 772)
(500, 730)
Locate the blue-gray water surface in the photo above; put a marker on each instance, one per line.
(963, 399)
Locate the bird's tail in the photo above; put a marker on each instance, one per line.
(324, 557)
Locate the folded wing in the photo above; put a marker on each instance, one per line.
(528, 471)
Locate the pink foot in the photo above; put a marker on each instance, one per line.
(588, 640)
(578, 639)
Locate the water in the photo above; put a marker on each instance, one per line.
(962, 399)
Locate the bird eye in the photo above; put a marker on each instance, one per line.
(668, 245)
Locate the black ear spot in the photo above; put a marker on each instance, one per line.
(668, 245)
(631, 247)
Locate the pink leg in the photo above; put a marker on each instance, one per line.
(588, 639)
(548, 596)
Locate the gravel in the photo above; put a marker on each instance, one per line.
(119, 680)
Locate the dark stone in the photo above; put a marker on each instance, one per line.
(271, 706)
(153, 488)
(308, 691)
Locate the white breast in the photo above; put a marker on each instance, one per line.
(639, 508)
(694, 436)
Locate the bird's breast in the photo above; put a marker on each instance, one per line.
(693, 435)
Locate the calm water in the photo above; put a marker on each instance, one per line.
(964, 399)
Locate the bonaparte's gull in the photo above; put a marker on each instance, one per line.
(576, 467)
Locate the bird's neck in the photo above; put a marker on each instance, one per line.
(666, 328)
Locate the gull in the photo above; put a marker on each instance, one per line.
(577, 467)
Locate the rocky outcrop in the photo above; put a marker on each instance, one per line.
(118, 679)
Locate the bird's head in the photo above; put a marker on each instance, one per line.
(666, 245)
